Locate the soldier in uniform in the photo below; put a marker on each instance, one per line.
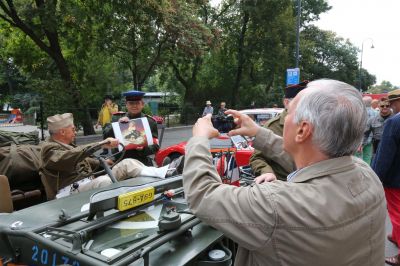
(65, 168)
(135, 105)
(264, 168)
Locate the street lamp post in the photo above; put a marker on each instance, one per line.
(361, 58)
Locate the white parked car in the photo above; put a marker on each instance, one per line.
(262, 115)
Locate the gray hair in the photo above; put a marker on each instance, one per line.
(53, 132)
(337, 113)
(367, 101)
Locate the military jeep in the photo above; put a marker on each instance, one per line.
(139, 221)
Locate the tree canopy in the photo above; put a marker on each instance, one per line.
(70, 53)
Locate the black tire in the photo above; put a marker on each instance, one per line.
(170, 158)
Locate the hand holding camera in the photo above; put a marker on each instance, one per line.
(204, 128)
(223, 123)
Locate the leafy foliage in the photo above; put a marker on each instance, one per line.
(384, 87)
(73, 52)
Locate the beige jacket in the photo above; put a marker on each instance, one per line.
(331, 213)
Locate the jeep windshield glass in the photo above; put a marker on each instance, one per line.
(133, 231)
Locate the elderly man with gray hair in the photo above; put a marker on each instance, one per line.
(67, 168)
(332, 209)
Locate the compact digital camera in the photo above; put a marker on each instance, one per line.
(223, 123)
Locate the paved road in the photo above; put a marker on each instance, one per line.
(174, 136)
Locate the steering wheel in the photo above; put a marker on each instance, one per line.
(103, 162)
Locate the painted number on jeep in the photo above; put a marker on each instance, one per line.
(44, 257)
(135, 198)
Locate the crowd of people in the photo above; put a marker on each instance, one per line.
(313, 202)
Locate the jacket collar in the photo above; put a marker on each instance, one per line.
(323, 168)
(130, 116)
(71, 146)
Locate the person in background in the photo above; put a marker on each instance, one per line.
(265, 169)
(134, 105)
(386, 165)
(222, 109)
(105, 115)
(208, 109)
(375, 124)
(333, 200)
(375, 104)
(65, 167)
(365, 151)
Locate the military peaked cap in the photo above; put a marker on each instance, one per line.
(292, 90)
(133, 95)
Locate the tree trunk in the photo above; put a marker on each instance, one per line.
(76, 94)
(8, 77)
(240, 59)
(189, 111)
(51, 46)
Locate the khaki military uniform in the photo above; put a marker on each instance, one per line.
(331, 213)
(63, 164)
(262, 165)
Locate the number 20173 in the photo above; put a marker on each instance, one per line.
(44, 257)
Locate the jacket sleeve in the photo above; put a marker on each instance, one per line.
(271, 146)
(100, 116)
(368, 129)
(259, 164)
(55, 158)
(387, 149)
(258, 161)
(113, 108)
(245, 214)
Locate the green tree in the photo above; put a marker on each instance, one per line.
(44, 22)
(325, 55)
(384, 87)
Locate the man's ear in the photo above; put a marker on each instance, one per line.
(303, 132)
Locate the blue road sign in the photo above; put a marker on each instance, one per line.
(292, 76)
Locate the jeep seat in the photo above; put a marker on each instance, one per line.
(6, 204)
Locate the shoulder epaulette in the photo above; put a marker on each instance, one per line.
(272, 120)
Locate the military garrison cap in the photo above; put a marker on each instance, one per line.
(394, 95)
(133, 95)
(292, 90)
(58, 121)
